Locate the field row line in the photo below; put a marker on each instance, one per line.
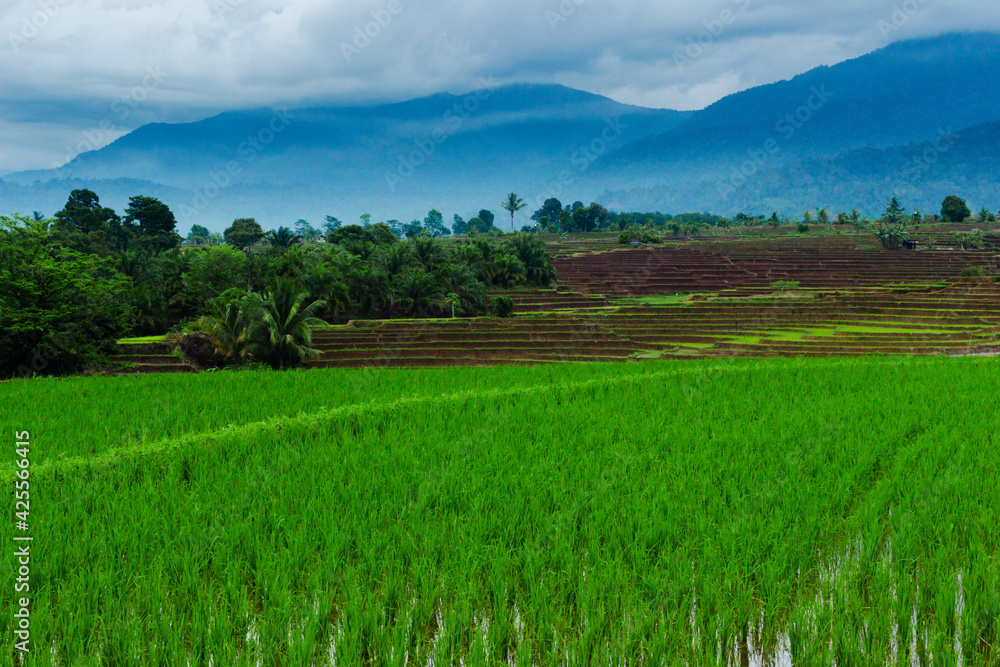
(326, 415)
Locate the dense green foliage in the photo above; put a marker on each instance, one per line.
(634, 235)
(503, 306)
(955, 209)
(60, 309)
(150, 285)
(523, 515)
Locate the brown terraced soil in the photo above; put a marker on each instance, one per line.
(852, 298)
(712, 296)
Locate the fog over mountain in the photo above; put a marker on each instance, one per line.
(814, 140)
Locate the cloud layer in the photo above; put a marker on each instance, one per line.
(79, 73)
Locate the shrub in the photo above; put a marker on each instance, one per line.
(803, 228)
(971, 240)
(503, 306)
(200, 348)
(640, 235)
(785, 285)
(971, 272)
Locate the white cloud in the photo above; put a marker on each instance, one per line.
(66, 56)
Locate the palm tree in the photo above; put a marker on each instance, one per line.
(283, 334)
(856, 220)
(537, 261)
(284, 238)
(396, 258)
(512, 204)
(507, 269)
(427, 252)
(228, 325)
(823, 217)
(417, 290)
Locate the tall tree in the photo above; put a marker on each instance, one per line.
(331, 224)
(512, 204)
(59, 309)
(83, 212)
(282, 336)
(154, 223)
(243, 233)
(551, 208)
(487, 216)
(198, 235)
(434, 224)
(955, 209)
(284, 238)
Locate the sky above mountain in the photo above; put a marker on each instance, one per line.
(77, 74)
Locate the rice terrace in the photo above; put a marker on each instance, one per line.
(791, 461)
(313, 352)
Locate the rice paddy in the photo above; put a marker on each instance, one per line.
(707, 512)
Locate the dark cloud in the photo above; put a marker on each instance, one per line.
(70, 65)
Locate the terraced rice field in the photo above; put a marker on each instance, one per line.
(959, 319)
(711, 265)
(735, 511)
(711, 297)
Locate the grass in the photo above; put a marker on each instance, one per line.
(141, 340)
(660, 513)
(657, 300)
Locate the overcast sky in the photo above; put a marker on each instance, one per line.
(82, 72)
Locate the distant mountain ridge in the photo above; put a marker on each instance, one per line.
(459, 153)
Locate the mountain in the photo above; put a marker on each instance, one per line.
(905, 92)
(461, 153)
(837, 136)
(921, 175)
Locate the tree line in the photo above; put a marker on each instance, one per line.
(72, 285)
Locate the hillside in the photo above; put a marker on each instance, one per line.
(460, 152)
(836, 136)
(965, 162)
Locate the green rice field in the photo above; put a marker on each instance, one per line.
(739, 511)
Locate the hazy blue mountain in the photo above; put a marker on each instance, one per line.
(905, 92)
(761, 149)
(966, 163)
(457, 153)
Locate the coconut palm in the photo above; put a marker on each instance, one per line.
(284, 238)
(227, 325)
(512, 204)
(282, 336)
